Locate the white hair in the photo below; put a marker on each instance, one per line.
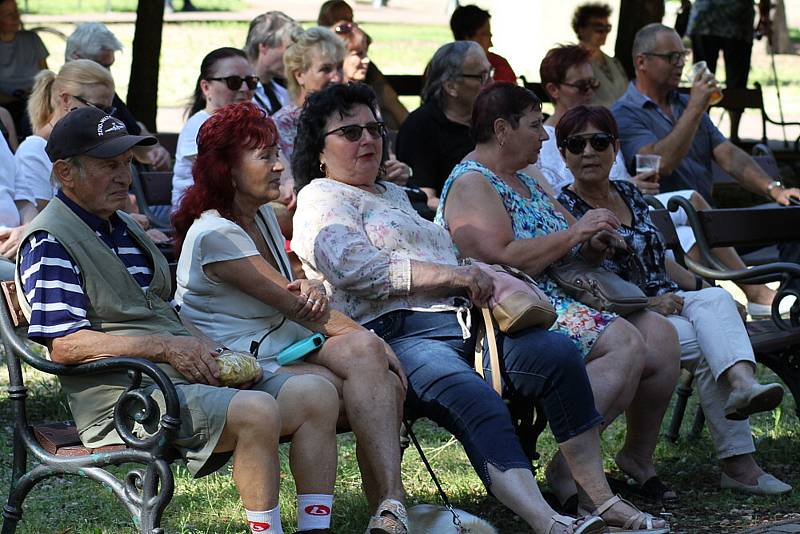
(89, 40)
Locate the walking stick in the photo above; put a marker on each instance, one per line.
(764, 8)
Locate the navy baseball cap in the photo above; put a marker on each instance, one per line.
(91, 132)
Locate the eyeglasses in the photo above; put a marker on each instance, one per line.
(353, 132)
(109, 110)
(344, 27)
(482, 76)
(235, 82)
(674, 58)
(584, 85)
(601, 28)
(577, 143)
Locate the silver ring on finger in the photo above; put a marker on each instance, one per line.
(312, 301)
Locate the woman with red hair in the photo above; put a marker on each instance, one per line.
(236, 285)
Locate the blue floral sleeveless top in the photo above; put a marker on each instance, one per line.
(530, 218)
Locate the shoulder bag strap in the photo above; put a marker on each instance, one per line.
(486, 332)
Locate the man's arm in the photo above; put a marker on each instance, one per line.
(192, 357)
(749, 174)
(674, 147)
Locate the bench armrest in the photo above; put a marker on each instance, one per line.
(134, 404)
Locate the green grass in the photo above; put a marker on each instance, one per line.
(68, 7)
(211, 505)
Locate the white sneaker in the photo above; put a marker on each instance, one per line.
(765, 310)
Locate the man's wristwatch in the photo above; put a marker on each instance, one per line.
(772, 185)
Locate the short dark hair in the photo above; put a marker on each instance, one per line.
(318, 108)
(500, 100)
(559, 60)
(333, 11)
(579, 117)
(586, 12)
(467, 20)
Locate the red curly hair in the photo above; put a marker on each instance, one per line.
(223, 137)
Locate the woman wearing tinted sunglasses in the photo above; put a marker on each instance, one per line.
(498, 210)
(591, 26)
(713, 339)
(226, 77)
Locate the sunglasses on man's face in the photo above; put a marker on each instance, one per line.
(235, 82)
(583, 86)
(353, 132)
(576, 144)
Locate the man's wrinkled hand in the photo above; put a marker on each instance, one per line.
(194, 358)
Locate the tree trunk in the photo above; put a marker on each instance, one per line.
(633, 15)
(143, 87)
(781, 42)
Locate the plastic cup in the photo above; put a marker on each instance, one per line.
(647, 162)
(702, 67)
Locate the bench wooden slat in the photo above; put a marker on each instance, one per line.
(62, 439)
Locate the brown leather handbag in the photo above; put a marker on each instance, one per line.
(597, 287)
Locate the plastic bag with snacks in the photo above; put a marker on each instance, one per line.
(236, 367)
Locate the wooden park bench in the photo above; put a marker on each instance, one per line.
(775, 341)
(146, 489)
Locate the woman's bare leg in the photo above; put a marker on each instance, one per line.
(659, 376)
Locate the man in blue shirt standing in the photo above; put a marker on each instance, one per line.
(654, 118)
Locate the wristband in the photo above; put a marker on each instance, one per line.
(698, 283)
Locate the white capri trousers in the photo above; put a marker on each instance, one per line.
(713, 338)
(679, 218)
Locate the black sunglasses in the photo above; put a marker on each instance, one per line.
(109, 110)
(353, 132)
(235, 82)
(577, 143)
(601, 28)
(344, 28)
(584, 85)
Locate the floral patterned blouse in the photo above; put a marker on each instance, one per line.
(530, 218)
(645, 265)
(286, 120)
(361, 245)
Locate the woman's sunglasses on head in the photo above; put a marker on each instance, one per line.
(235, 82)
(577, 143)
(353, 132)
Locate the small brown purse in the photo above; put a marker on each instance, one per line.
(597, 287)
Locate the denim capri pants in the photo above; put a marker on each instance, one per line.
(444, 387)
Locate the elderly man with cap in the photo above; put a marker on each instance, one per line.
(94, 285)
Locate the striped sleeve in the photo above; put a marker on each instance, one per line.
(52, 285)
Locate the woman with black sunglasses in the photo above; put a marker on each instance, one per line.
(499, 210)
(226, 77)
(591, 26)
(714, 341)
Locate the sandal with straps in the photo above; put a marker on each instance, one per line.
(638, 523)
(581, 525)
(391, 518)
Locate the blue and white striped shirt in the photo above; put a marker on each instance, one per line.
(52, 280)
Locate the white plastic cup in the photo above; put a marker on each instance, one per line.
(647, 162)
